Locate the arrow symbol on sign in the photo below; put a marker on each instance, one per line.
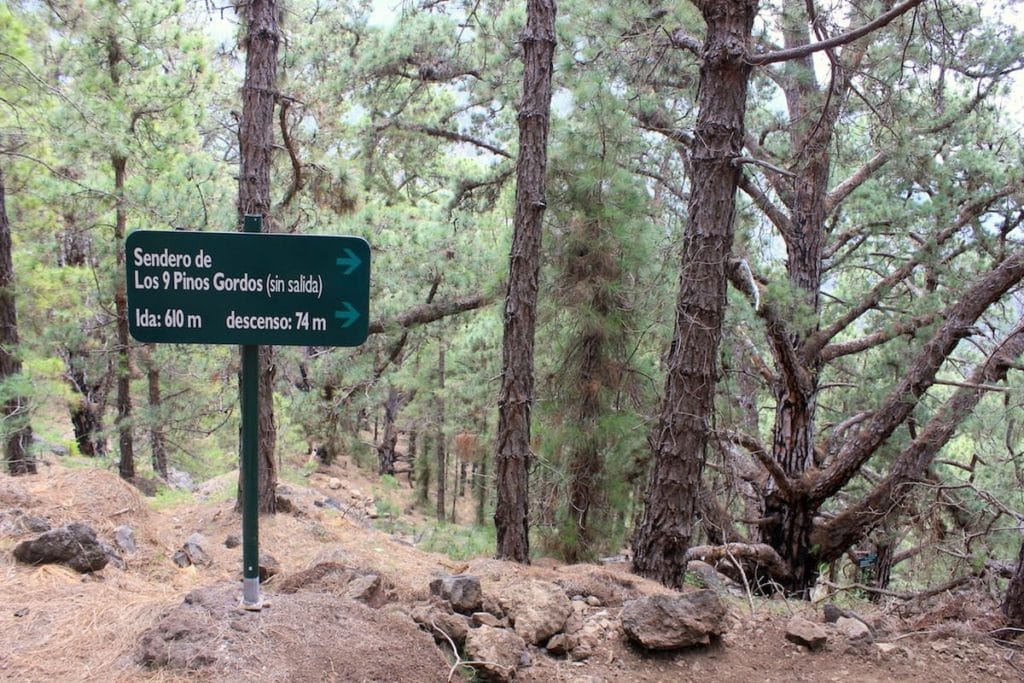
(349, 316)
(350, 261)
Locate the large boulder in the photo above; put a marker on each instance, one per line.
(75, 545)
(671, 622)
(496, 651)
(537, 609)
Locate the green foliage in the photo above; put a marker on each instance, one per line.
(459, 542)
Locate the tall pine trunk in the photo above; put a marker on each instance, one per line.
(255, 137)
(442, 460)
(15, 406)
(515, 401)
(680, 441)
(125, 436)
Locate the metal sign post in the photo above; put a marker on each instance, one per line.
(250, 289)
(250, 397)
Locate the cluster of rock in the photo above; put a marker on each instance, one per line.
(499, 632)
(837, 623)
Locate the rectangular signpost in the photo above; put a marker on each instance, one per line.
(248, 288)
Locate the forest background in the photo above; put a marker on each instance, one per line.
(850, 397)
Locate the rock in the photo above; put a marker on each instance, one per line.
(15, 521)
(831, 613)
(853, 629)
(181, 559)
(486, 619)
(113, 556)
(269, 567)
(536, 609)
(368, 589)
(327, 502)
(124, 539)
(670, 622)
(439, 622)
(498, 651)
(284, 504)
(589, 638)
(806, 633)
(561, 644)
(887, 648)
(177, 479)
(462, 591)
(706, 575)
(75, 545)
(195, 548)
(232, 541)
(593, 601)
(334, 483)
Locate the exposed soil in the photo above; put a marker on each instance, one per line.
(58, 625)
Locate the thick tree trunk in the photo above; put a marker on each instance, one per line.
(15, 407)
(515, 400)
(125, 436)
(1013, 603)
(255, 136)
(680, 442)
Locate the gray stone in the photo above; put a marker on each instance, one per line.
(831, 613)
(498, 651)
(537, 609)
(74, 545)
(671, 622)
(195, 548)
(181, 559)
(368, 589)
(440, 623)
(269, 567)
(561, 644)
(124, 539)
(113, 556)
(806, 633)
(706, 575)
(177, 479)
(462, 591)
(853, 629)
(486, 619)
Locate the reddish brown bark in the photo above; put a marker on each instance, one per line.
(680, 441)
(515, 401)
(255, 138)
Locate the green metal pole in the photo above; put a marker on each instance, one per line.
(250, 395)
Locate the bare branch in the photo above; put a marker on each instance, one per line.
(817, 341)
(801, 51)
(870, 341)
(786, 486)
(428, 313)
(848, 527)
(449, 135)
(856, 179)
(760, 553)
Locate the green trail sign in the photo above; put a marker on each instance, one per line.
(247, 288)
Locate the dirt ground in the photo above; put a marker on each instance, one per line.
(58, 625)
